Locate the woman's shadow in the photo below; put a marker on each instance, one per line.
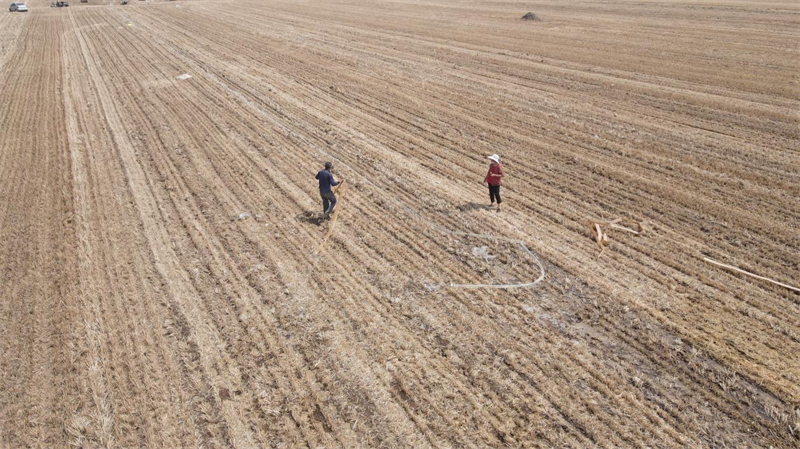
(470, 206)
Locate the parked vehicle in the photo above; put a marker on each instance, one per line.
(17, 7)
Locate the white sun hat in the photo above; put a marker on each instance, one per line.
(494, 157)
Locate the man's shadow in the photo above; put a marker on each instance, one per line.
(470, 206)
(314, 218)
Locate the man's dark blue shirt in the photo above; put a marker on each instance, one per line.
(326, 181)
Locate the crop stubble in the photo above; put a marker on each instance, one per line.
(138, 311)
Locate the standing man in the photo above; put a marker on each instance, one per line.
(495, 179)
(326, 181)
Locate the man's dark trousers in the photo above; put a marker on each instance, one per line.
(328, 201)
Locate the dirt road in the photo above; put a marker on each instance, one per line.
(138, 310)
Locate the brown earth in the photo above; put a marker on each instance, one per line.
(137, 310)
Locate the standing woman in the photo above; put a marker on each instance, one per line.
(495, 179)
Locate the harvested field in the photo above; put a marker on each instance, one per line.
(138, 310)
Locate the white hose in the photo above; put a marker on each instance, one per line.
(501, 286)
